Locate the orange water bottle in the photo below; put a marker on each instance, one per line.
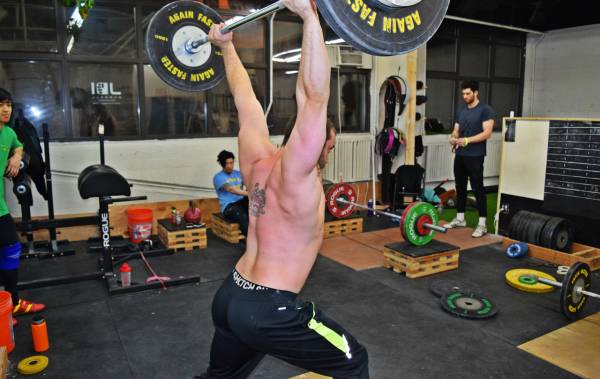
(125, 271)
(39, 332)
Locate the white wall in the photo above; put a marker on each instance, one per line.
(175, 168)
(160, 169)
(562, 76)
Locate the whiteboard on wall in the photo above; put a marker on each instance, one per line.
(523, 162)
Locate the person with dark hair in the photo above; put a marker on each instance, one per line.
(473, 127)
(256, 311)
(233, 198)
(11, 153)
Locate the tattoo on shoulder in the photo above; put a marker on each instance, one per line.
(257, 201)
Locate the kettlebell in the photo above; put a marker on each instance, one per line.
(192, 215)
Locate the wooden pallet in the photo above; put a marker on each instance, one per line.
(342, 227)
(160, 210)
(187, 240)
(4, 364)
(226, 230)
(578, 253)
(416, 267)
(310, 375)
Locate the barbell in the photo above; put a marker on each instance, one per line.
(574, 289)
(177, 35)
(418, 222)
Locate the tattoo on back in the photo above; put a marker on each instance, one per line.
(257, 201)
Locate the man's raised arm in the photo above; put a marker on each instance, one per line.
(253, 135)
(237, 76)
(312, 94)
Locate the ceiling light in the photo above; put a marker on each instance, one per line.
(334, 41)
(288, 56)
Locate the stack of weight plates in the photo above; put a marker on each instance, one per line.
(552, 232)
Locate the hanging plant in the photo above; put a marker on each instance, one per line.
(84, 8)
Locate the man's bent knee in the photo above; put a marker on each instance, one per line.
(362, 365)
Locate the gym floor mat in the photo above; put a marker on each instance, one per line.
(167, 334)
(574, 347)
(350, 253)
(365, 250)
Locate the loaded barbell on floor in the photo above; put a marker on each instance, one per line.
(418, 222)
(392, 215)
(177, 35)
(573, 289)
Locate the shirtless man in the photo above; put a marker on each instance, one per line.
(256, 310)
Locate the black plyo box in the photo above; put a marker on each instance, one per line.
(434, 247)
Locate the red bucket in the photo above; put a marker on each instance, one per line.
(7, 336)
(139, 223)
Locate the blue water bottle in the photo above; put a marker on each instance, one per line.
(370, 205)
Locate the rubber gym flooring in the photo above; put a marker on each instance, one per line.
(167, 333)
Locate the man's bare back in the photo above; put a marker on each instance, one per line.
(286, 226)
(286, 196)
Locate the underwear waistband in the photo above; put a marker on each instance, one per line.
(249, 287)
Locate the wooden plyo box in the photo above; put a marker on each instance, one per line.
(418, 261)
(578, 253)
(342, 227)
(226, 230)
(181, 238)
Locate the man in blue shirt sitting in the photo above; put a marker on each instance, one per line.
(232, 197)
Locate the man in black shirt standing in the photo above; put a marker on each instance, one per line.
(472, 128)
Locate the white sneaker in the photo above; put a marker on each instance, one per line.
(456, 223)
(479, 231)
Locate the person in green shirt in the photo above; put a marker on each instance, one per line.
(11, 152)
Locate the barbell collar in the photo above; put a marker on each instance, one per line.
(263, 12)
(558, 284)
(437, 228)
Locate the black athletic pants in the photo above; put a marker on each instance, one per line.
(251, 321)
(8, 236)
(238, 212)
(469, 169)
